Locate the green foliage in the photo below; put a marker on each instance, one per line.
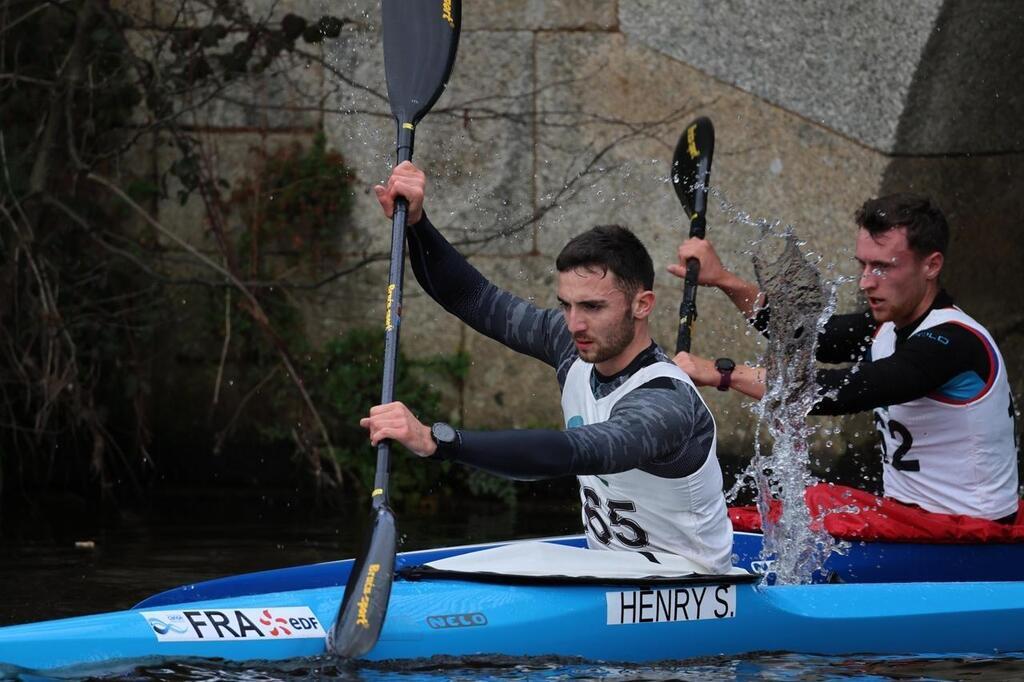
(98, 312)
(292, 208)
(85, 287)
(482, 484)
(344, 380)
(297, 203)
(349, 377)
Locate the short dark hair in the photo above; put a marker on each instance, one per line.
(927, 229)
(612, 248)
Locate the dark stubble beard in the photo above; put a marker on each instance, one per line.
(621, 336)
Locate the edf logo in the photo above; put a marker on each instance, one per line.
(456, 620)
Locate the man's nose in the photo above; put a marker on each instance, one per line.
(575, 321)
(868, 278)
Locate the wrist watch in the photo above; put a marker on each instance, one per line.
(445, 437)
(725, 366)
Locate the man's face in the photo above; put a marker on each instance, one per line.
(597, 312)
(895, 279)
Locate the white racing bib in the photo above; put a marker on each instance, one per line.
(638, 511)
(952, 451)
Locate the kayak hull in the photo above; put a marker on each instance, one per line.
(458, 618)
(812, 619)
(239, 619)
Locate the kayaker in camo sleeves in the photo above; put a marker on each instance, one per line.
(637, 434)
(932, 374)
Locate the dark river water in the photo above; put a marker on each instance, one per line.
(52, 578)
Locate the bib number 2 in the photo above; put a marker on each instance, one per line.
(893, 431)
(626, 530)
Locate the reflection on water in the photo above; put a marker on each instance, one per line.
(53, 579)
(711, 669)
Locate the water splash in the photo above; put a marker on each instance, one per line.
(795, 544)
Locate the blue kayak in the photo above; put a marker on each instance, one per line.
(286, 613)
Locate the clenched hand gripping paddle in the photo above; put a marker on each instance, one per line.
(420, 41)
(691, 171)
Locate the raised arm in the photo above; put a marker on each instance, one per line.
(744, 295)
(462, 290)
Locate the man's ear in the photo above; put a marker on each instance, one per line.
(643, 304)
(933, 265)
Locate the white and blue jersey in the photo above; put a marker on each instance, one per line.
(953, 450)
(941, 400)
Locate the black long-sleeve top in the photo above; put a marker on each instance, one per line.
(920, 365)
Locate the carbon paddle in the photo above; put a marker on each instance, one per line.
(420, 41)
(691, 172)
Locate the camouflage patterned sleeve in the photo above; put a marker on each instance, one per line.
(462, 290)
(662, 427)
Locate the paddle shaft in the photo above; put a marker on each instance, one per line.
(362, 610)
(688, 306)
(393, 314)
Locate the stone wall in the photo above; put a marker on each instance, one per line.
(561, 115)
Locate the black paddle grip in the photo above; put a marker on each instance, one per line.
(688, 306)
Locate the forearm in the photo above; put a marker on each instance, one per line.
(533, 454)
(750, 381)
(744, 295)
(702, 371)
(663, 427)
(848, 392)
(521, 454)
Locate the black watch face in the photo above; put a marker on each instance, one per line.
(724, 365)
(443, 433)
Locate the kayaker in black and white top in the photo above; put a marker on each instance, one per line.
(637, 434)
(933, 375)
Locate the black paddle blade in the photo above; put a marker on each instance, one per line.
(691, 170)
(691, 173)
(420, 40)
(368, 590)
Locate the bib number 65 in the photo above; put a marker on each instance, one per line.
(626, 530)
